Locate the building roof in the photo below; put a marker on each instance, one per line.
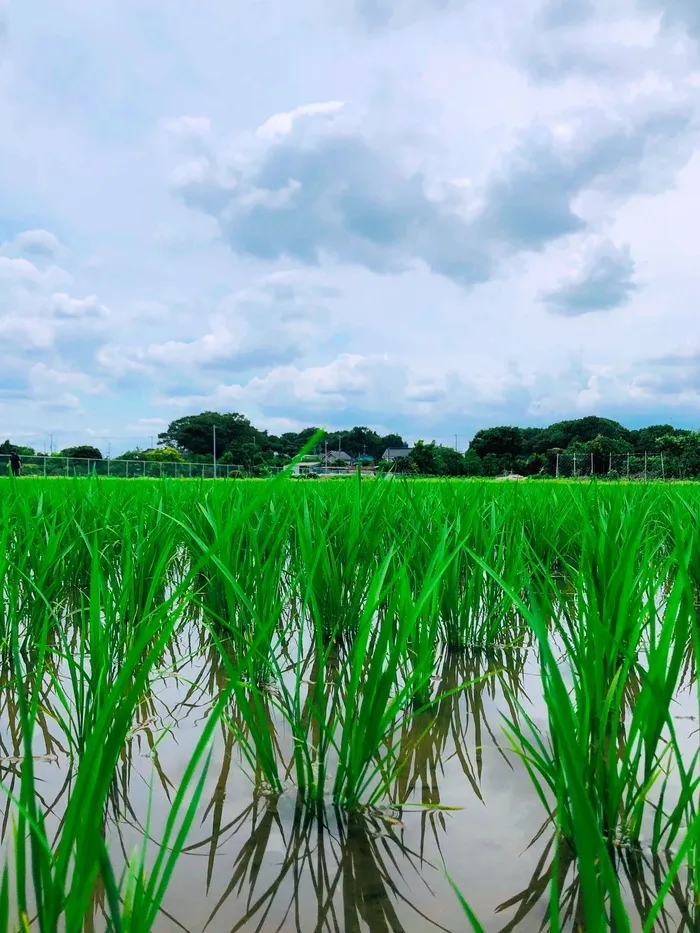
(393, 453)
(339, 455)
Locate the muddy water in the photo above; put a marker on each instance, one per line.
(263, 863)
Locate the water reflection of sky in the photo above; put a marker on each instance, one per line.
(265, 864)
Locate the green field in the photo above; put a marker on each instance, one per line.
(358, 705)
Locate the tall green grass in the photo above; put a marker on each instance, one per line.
(345, 636)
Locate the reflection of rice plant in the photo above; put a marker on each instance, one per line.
(342, 637)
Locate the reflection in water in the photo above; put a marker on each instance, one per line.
(337, 871)
(642, 875)
(269, 862)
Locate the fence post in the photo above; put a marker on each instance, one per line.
(663, 471)
(202, 471)
(574, 465)
(557, 471)
(645, 464)
(127, 469)
(628, 466)
(109, 466)
(144, 468)
(190, 469)
(44, 466)
(67, 469)
(610, 463)
(592, 467)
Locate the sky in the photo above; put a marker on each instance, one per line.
(424, 216)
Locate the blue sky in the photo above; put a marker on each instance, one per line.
(427, 216)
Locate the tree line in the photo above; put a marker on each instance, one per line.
(597, 442)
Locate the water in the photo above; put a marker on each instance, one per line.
(256, 862)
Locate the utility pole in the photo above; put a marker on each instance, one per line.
(51, 444)
(456, 444)
(214, 435)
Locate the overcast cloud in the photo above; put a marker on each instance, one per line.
(426, 216)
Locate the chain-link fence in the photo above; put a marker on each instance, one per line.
(625, 466)
(52, 465)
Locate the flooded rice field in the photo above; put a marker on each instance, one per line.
(400, 707)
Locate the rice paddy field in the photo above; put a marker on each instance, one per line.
(375, 705)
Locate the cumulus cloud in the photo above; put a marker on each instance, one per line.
(282, 123)
(62, 305)
(274, 322)
(603, 281)
(532, 200)
(331, 194)
(39, 243)
(326, 191)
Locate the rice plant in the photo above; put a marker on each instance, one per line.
(339, 642)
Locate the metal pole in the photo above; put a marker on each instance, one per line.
(214, 431)
(190, 469)
(109, 466)
(67, 470)
(44, 466)
(628, 466)
(574, 465)
(663, 471)
(127, 469)
(610, 464)
(645, 464)
(202, 471)
(557, 472)
(592, 467)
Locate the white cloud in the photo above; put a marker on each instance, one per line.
(283, 123)
(40, 243)
(63, 305)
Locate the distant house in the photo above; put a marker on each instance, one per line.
(396, 453)
(338, 458)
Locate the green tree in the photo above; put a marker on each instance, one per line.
(195, 433)
(646, 440)
(7, 447)
(503, 441)
(82, 452)
(580, 430)
(163, 455)
(685, 449)
(425, 459)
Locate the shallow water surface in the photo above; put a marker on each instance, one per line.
(263, 862)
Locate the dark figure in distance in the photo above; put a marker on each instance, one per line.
(15, 463)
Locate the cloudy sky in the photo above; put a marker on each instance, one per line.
(421, 215)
